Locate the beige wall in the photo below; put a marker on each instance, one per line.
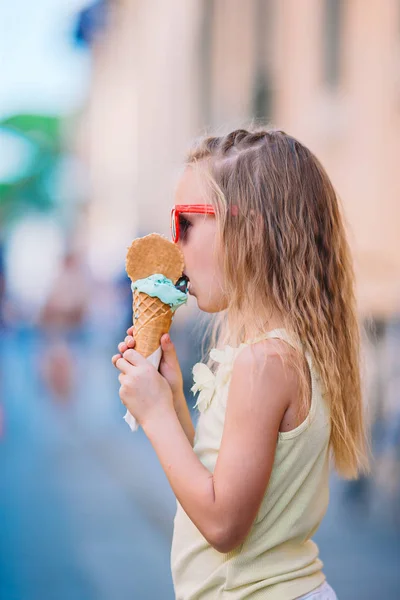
(167, 70)
(141, 114)
(354, 129)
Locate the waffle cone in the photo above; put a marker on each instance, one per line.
(151, 319)
(154, 254)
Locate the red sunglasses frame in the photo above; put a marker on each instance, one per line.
(178, 209)
(197, 209)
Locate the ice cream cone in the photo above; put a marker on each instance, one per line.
(154, 264)
(151, 319)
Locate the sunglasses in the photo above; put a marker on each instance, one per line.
(194, 209)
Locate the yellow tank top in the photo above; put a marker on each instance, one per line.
(278, 560)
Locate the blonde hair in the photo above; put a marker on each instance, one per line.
(284, 247)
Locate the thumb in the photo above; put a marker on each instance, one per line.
(168, 348)
(169, 364)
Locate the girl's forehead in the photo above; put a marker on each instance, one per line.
(190, 188)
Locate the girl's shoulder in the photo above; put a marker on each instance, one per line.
(271, 348)
(266, 355)
(272, 358)
(276, 341)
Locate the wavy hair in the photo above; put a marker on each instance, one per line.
(284, 249)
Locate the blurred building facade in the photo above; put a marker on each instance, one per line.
(338, 89)
(328, 74)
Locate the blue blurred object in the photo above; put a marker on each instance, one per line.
(2, 287)
(91, 20)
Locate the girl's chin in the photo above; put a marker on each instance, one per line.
(207, 307)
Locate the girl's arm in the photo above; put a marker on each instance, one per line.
(224, 505)
(183, 414)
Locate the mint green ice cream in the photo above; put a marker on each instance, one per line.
(158, 286)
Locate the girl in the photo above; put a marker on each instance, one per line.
(259, 225)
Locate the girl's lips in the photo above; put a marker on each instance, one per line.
(189, 283)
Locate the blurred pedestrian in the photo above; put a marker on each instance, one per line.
(62, 319)
(2, 325)
(265, 249)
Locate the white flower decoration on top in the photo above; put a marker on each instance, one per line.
(204, 379)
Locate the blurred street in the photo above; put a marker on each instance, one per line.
(79, 516)
(87, 512)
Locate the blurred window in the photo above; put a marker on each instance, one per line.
(333, 13)
(206, 50)
(262, 92)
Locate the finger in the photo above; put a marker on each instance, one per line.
(121, 378)
(115, 358)
(129, 341)
(130, 330)
(168, 348)
(165, 339)
(122, 347)
(123, 365)
(134, 358)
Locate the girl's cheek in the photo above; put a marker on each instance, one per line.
(189, 255)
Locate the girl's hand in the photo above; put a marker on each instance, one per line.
(144, 391)
(169, 365)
